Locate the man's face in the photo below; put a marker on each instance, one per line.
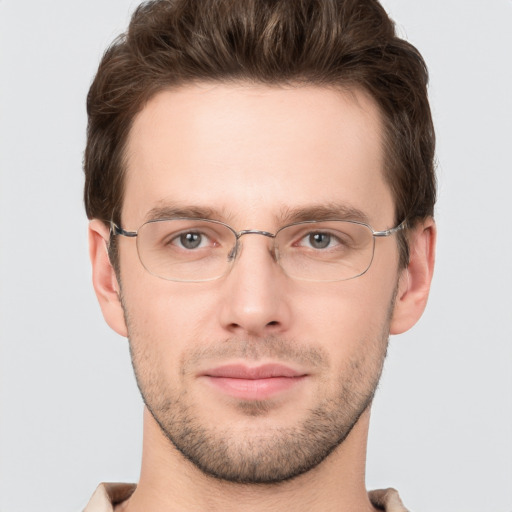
(255, 376)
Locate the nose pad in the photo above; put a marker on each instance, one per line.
(237, 248)
(233, 253)
(274, 252)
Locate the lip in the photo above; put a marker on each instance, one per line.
(253, 383)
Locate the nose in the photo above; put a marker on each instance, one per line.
(254, 299)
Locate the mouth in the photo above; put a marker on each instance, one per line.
(253, 383)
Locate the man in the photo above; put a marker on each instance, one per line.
(260, 184)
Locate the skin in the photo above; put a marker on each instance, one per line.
(251, 154)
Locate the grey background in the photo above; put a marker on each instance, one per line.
(70, 410)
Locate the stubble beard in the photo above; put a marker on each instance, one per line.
(278, 453)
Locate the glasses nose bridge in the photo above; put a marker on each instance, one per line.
(239, 234)
(254, 232)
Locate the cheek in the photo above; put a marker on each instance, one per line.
(159, 333)
(351, 321)
(165, 318)
(345, 307)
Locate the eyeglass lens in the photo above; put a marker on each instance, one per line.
(202, 250)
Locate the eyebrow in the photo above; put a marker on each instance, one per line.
(172, 211)
(325, 211)
(287, 215)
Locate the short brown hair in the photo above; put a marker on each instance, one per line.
(331, 43)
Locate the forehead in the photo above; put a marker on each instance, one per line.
(250, 153)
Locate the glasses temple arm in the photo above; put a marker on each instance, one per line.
(388, 232)
(116, 230)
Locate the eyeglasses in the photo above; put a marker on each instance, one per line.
(195, 250)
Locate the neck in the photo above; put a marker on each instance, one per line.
(169, 482)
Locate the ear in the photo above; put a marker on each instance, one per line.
(414, 282)
(104, 278)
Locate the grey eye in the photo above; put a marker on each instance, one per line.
(191, 240)
(319, 240)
